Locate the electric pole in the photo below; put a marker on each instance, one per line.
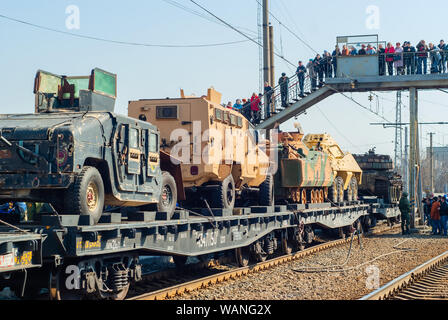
(266, 43)
(431, 164)
(271, 56)
(398, 134)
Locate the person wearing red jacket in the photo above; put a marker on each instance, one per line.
(255, 108)
(390, 53)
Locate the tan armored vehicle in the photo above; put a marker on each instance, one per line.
(216, 146)
(347, 173)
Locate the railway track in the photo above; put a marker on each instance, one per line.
(428, 281)
(235, 273)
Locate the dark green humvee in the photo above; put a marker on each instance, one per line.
(76, 154)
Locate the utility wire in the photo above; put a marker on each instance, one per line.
(117, 41)
(240, 32)
(290, 31)
(199, 14)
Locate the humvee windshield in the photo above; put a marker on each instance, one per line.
(62, 93)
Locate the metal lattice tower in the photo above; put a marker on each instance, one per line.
(398, 134)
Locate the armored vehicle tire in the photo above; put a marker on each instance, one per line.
(86, 195)
(348, 194)
(168, 196)
(223, 196)
(354, 184)
(336, 191)
(266, 195)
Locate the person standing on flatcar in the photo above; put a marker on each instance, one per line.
(398, 59)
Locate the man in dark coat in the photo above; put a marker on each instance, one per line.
(284, 89)
(444, 216)
(301, 72)
(405, 209)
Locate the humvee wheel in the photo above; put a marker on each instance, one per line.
(224, 194)
(86, 195)
(336, 191)
(168, 196)
(266, 196)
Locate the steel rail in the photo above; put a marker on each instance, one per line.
(409, 279)
(180, 289)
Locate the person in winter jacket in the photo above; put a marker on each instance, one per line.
(336, 53)
(390, 53)
(301, 73)
(405, 209)
(443, 56)
(313, 74)
(435, 217)
(284, 89)
(422, 57)
(382, 60)
(444, 216)
(409, 58)
(398, 59)
(434, 55)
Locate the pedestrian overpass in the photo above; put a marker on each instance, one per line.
(360, 83)
(362, 74)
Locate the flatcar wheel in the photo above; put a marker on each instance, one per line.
(287, 246)
(180, 261)
(257, 252)
(242, 257)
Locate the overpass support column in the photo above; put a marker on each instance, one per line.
(415, 184)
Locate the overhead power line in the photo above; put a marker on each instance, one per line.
(237, 30)
(120, 42)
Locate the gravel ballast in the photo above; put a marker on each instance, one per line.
(381, 259)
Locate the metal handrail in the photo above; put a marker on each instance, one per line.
(412, 64)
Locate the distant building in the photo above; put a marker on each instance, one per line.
(440, 154)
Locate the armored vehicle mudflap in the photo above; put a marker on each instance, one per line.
(19, 251)
(186, 234)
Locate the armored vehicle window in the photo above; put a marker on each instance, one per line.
(167, 112)
(226, 117)
(133, 138)
(218, 114)
(233, 120)
(240, 122)
(153, 143)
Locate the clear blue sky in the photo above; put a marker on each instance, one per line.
(160, 72)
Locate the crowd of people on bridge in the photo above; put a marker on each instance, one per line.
(398, 59)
